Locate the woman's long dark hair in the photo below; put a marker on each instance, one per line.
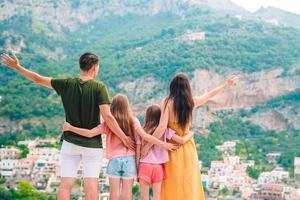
(183, 103)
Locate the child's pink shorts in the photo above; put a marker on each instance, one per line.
(151, 173)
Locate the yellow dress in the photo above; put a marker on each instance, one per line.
(183, 181)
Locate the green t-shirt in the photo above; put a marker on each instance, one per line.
(81, 100)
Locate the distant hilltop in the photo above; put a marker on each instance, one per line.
(70, 14)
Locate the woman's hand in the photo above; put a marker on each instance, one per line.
(67, 126)
(170, 146)
(229, 82)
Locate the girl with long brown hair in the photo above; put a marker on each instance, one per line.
(183, 179)
(121, 168)
(151, 170)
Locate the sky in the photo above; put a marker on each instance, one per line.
(253, 5)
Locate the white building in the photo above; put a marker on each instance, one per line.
(200, 164)
(228, 146)
(225, 167)
(273, 157)
(291, 193)
(232, 160)
(249, 163)
(246, 192)
(272, 21)
(7, 167)
(239, 179)
(39, 141)
(45, 166)
(43, 153)
(29, 143)
(24, 167)
(239, 17)
(275, 176)
(297, 165)
(46, 160)
(9, 153)
(272, 192)
(193, 36)
(219, 182)
(218, 168)
(230, 173)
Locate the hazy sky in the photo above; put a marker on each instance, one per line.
(253, 5)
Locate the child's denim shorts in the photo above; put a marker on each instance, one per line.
(122, 167)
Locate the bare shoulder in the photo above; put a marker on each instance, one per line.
(169, 107)
(136, 122)
(166, 105)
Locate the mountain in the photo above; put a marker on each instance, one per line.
(142, 44)
(55, 15)
(278, 16)
(223, 6)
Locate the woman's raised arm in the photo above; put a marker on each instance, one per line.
(199, 101)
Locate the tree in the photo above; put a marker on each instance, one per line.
(25, 191)
(5, 194)
(24, 150)
(224, 191)
(253, 172)
(2, 180)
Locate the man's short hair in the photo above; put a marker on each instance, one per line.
(87, 61)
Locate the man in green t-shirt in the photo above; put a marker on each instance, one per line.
(83, 99)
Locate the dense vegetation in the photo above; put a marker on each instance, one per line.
(28, 132)
(133, 46)
(253, 143)
(24, 191)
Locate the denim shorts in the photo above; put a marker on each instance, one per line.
(122, 167)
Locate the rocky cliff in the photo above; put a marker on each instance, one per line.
(56, 15)
(252, 89)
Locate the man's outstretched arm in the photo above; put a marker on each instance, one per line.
(14, 64)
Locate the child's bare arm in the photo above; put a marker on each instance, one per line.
(181, 140)
(81, 131)
(137, 154)
(141, 132)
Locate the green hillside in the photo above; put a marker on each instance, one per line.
(134, 46)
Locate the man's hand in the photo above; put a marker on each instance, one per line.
(11, 62)
(14, 64)
(129, 143)
(66, 126)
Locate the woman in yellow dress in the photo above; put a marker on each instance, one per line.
(183, 179)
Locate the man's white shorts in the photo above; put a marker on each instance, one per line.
(71, 155)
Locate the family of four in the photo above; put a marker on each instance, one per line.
(161, 153)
